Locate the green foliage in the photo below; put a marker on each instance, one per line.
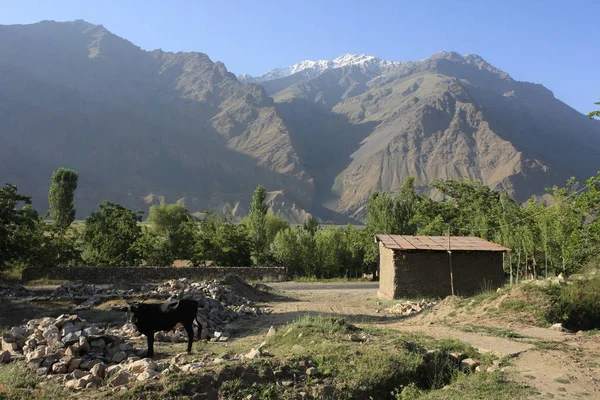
(311, 225)
(19, 382)
(257, 226)
(154, 249)
(595, 113)
(170, 235)
(576, 305)
(25, 239)
(328, 253)
(166, 218)
(221, 241)
(60, 197)
(109, 236)
(274, 224)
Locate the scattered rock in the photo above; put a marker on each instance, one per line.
(356, 338)
(120, 378)
(312, 371)
(5, 356)
(410, 307)
(469, 363)
(252, 354)
(137, 367)
(146, 375)
(98, 370)
(559, 327)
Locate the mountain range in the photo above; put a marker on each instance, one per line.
(142, 127)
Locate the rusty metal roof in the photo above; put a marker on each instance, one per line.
(457, 243)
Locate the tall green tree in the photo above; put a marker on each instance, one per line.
(405, 208)
(595, 113)
(221, 241)
(109, 236)
(171, 232)
(311, 225)
(257, 226)
(60, 197)
(15, 223)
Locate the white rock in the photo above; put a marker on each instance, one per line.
(146, 375)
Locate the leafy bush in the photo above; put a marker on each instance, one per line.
(576, 305)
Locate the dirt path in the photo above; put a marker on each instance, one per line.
(557, 364)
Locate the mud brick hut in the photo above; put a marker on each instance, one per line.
(422, 266)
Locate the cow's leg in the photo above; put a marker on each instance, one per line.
(189, 328)
(150, 340)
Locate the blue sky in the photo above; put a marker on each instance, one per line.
(551, 42)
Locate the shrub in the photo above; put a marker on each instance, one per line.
(576, 305)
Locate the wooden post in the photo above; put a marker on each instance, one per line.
(450, 262)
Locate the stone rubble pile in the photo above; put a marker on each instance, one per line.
(410, 307)
(75, 290)
(217, 308)
(81, 354)
(10, 290)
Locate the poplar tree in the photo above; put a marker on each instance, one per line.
(60, 197)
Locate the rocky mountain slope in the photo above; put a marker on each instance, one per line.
(449, 116)
(142, 127)
(136, 125)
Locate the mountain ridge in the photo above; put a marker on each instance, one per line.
(148, 126)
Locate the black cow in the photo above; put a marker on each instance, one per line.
(151, 318)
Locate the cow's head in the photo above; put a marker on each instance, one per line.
(135, 308)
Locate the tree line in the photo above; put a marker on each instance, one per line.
(560, 235)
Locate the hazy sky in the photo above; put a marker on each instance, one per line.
(551, 42)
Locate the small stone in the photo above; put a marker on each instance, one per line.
(479, 368)
(98, 370)
(492, 368)
(146, 364)
(120, 378)
(88, 365)
(312, 371)
(98, 343)
(355, 338)
(59, 368)
(71, 338)
(287, 383)
(146, 375)
(78, 373)
(5, 357)
(469, 363)
(119, 356)
(84, 345)
(74, 364)
(252, 354)
(112, 370)
(10, 346)
(76, 384)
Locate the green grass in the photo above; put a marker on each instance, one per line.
(482, 385)
(562, 380)
(19, 382)
(386, 364)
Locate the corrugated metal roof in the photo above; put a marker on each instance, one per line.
(457, 243)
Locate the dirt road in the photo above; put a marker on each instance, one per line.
(557, 364)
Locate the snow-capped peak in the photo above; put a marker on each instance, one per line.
(315, 68)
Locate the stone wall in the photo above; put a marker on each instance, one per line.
(149, 274)
(427, 273)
